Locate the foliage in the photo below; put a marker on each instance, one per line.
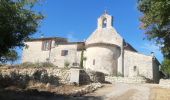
(18, 21)
(166, 66)
(38, 64)
(156, 22)
(66, 64)
(119, 74)
(10, 56)
(47, 64)
(27, 64)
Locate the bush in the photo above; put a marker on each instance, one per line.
(27, 64)
(66, 64)
(42, 64)
(47, 64)
(14, 79)
(119, 74)
(1, 65)
(96, 76)
(166, 67)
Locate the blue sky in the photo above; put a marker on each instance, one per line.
(77, 19)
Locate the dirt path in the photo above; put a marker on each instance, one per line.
(121, 91)
(116, 91)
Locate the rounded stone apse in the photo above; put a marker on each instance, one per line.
(102, 57)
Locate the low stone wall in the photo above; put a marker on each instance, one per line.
(63, 75)
(112, 79)
(165, 83)
(50, 75)
(81, 76)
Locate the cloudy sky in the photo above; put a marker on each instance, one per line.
(77, 19)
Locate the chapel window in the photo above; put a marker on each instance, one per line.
(134, 68)
(46, 45)
(104, 23)
(64, 52)
(93, 61)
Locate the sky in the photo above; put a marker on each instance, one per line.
(77, 19)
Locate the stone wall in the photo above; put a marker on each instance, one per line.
(72, 57)
(51, 75)
(102, 58)
(125, 79)
(165, 83)
(62, 74)
(80, 76)
(35, 54)
(136, 64)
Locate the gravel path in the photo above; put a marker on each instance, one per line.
(122, 91)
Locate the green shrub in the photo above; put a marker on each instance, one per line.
(42, 64)
(47, 64)
(166, 67)
(66, 64)
(27, 64)
(1, 65)
(119, 74)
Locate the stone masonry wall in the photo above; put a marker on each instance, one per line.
(51, 75)
(137, 64)
(35, 54)
(63, 75)
(72, 57)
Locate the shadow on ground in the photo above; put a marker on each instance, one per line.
(39, 95)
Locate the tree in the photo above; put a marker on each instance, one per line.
(11, 56)
(166, 67)
(156, 22)
(18, 21)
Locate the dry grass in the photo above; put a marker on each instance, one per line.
(159, 94)
(60, 90)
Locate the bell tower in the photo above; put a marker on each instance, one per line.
(105, 21)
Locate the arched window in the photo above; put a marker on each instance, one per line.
(104, 23)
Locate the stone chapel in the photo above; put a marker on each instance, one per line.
(105, 51)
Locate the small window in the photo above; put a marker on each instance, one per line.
(46, 45)
(104, 24)
(134, 68)
(75, 64)
(93, 61)
(64, 52)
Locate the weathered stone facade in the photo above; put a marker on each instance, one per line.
(104, 51)
(136, 64)
(53, 76)
(34, 52)
(63, 75)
